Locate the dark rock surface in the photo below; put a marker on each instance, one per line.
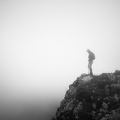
(92, 98)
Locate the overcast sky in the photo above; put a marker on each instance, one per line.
(43, 46)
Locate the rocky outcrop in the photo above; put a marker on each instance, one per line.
(92, 98)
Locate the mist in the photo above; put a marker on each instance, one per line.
(43, 50)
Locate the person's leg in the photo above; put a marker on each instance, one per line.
(91, 71)
(90, 67)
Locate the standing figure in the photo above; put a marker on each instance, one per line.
(91, 57)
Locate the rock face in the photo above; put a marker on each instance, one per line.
(92, 98)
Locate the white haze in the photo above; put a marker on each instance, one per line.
(43, 48)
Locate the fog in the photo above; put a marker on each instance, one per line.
(43, 50)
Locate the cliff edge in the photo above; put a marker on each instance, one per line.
(92, 98)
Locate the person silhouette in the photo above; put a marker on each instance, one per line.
(91, 57)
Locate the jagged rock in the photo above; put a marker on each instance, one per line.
(86, 78)
(117, 72)
(92, 98)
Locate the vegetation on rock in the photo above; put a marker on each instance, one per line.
(92, 98)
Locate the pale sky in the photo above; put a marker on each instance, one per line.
(43, 46)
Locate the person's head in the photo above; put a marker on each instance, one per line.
(88, 50)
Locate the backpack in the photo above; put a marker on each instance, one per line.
(93, 56)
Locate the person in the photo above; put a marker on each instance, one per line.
(91, 57)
